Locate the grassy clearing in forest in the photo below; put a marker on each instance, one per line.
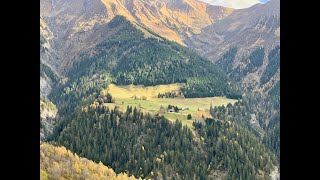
(124, 96)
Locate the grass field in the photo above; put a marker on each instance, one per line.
(124, 96)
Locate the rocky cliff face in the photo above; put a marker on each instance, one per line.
(246, 30)
(77, 25)
(48, 117)
(45, 86)
(47, 57)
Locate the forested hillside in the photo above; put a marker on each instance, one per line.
(46, 72)
(128, 57)
(150, 146)
(235, 149)
(261, 115)
(252, 64)
(258, 111)
(133, 59)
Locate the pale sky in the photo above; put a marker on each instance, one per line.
(237, 4)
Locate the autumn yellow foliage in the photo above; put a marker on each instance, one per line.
(140, 91)
(60, 163)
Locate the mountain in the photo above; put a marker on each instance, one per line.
(77, 25)
(48, 75)
(60, 163)
(145, 145)
(246, 45)
(104, 62)
(127, 57)
(248, 42)
(48, 79)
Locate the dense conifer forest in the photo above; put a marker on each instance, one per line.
(250, 110)
(150, 146)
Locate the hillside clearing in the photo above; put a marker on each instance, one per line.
(131, 95)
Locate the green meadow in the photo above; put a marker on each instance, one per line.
(133, 96)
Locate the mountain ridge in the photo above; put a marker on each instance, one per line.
(78, 26)
(127, 57)
(74, 23)
(247, 30)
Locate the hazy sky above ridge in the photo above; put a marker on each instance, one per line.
(237, 4)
